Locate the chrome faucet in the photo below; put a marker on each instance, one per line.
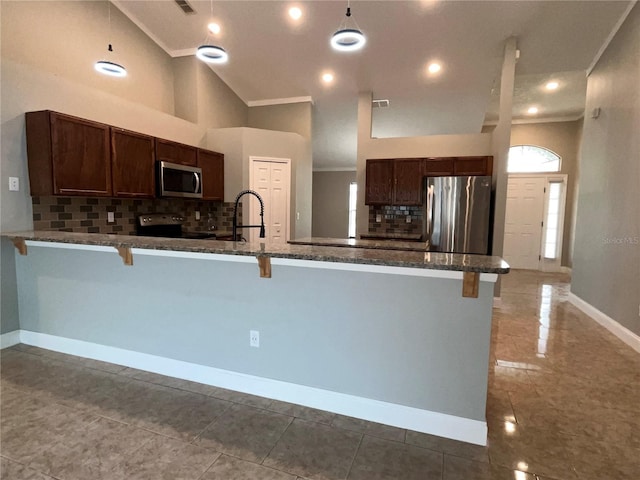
(235, 215)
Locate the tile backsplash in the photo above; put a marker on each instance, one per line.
(89, 215)
(394, 219)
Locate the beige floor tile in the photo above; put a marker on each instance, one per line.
(457, 468)
(314, 451)
(448, 446)
(305, 413)
(370, 428)
(10, 470)
(245, 432)
(379, 459)
(230, 468)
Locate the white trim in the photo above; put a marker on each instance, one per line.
(9, 339)
(335, 169)
(525, 121)
(289, 262)
(623, 333)
(434, 423)
(611, 36)
(278, 101)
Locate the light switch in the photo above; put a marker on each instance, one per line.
(110, 217)
(197, 214)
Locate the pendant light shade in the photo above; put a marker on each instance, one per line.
(212, 54)
(348, 38)
(107, 67)
(110, 68)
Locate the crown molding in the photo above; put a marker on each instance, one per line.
(279, 101)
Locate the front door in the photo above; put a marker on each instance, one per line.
(523, 222)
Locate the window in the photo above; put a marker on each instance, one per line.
(353, 197)
(532, 159)
(553, 217)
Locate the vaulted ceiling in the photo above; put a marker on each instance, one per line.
(271, 56)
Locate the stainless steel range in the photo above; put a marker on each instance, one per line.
(167, 225)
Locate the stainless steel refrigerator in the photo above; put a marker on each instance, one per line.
(458, 214)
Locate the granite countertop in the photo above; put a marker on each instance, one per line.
(366, 256)
(354, 243)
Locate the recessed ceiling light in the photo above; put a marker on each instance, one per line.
(295, 13)
(214, 28)
(551, 85)
(434, 68)
(327, 77)
(532, 110)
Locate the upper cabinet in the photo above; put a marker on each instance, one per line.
(132, 164)
(399, 181)
(174, 152)
(408, 181)
(473, 166)
(212, 165)
(394, 182)
(379, 182)
(67, 155)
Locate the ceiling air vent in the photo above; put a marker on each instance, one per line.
(380, 103)
(184, 5)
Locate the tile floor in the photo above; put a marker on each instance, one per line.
(563, 404)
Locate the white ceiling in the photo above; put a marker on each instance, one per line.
(273, 58)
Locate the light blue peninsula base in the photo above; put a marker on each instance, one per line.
(394, 345)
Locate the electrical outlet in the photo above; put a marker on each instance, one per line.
(111, 217)
(197, 214)
(14, 184)
(254, 338)
(297, 215)
(407, 219)
(378, 218)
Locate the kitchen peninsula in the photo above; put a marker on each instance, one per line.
(392, 336)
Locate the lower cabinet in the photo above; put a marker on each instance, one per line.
(212, 165)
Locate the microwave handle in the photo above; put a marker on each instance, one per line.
(197, 177)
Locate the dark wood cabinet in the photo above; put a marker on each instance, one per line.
(132, 164)
(438, 167)
(174, 152)
(212, 165)
(379, 182)
(473, 166)
(67, 155)
(408, 180)
(394, 182)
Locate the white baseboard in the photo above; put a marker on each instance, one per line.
(9, 339)
(425, 421)
(623, 333)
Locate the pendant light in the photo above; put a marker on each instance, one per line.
(348, 38)
(107, 67)
(211, 53)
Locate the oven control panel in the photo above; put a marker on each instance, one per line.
(151, 219)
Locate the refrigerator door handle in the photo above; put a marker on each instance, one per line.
(430, 212)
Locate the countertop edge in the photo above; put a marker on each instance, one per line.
(336, 254)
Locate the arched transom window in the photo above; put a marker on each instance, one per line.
(532, 159)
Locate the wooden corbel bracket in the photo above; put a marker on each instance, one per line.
(265, 266)
(125, 253)
(20, 245)
(470, 282)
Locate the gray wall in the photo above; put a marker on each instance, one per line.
(391, 351)
(290, 117)
(331, 203)
(9, 320)
(606, 260)
(562, 138)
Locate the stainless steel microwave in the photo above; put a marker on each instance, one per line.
(179, 180)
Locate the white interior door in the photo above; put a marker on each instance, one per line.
(271, 178)
(523, 221)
